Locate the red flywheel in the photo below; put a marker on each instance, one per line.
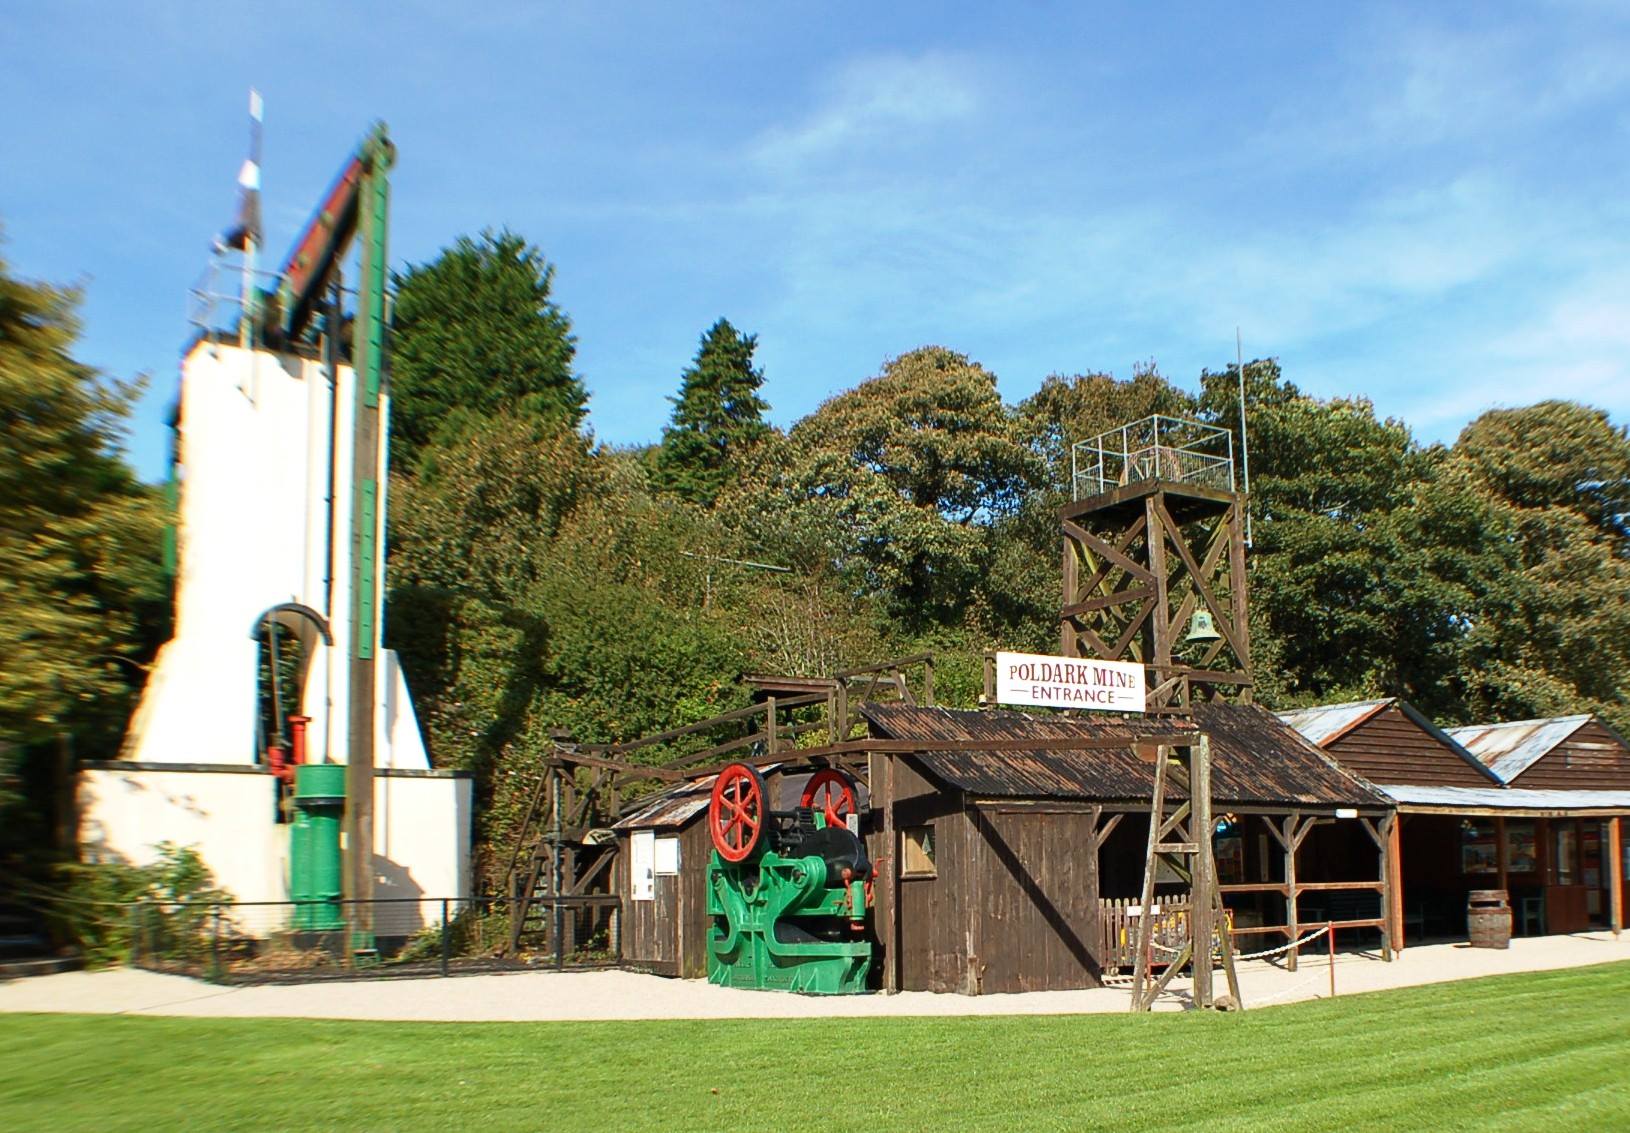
(832, 793)
(738, 813)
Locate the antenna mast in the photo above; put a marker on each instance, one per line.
(1244, 433)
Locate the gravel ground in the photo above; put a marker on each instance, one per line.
(536, 996)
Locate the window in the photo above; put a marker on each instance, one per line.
(1565, 857)
(917, 851)
(1477, 847)
(1522, 846)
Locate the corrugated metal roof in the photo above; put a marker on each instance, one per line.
(1325, 722)
(1507, 798)
(1511, 748)
(672, 808)
(1256, 758)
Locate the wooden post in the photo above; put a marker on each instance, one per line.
(1203, 887)
(1160, 618)
(1066, 630)
(840, 712)
(1394, 892)
(771, 743)
(1542, 835)
(1615, 874)
(928, 683)
(891, 887)
(1290, 843)
(1500, 853)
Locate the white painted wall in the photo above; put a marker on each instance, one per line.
(421, 829)
(414, 818)
(228, 815)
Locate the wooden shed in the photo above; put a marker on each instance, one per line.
(662, 879)
(1018, 870)
(1017, 867)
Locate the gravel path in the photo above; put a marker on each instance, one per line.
(535, 996)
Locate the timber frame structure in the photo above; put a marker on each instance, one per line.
(556, 882)
(1142, 558)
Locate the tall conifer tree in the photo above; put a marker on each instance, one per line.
(717, 416)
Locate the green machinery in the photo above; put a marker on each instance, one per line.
(788, 893)
(314, 847)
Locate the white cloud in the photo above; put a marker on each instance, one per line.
(879, 99)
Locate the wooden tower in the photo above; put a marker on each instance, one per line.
(1154, 559)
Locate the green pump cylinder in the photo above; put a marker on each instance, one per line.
(314, 846)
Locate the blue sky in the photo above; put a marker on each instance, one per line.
(1424, 205)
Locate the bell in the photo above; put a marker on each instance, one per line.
(1202, 628)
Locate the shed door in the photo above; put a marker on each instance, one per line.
(652, 933)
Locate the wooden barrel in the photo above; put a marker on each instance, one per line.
(1488, 916)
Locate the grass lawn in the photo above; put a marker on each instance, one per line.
(1542, 1051)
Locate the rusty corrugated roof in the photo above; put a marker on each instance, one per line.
(1256, 758)
(1513, 747)
(1325, 722)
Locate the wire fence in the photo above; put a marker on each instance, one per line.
(292, 941)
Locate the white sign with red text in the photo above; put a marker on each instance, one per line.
(1069, 682)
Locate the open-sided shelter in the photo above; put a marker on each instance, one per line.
(1466, 823)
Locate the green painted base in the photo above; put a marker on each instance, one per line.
(773, 920)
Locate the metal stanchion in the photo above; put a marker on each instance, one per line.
(445, 942)
(1330, 931)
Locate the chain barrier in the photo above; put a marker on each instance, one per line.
(1286, 947)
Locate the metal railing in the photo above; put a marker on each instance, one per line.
(1154, 448)
(291, 941)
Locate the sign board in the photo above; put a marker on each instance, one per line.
(667, 858)
(1069, 682)
(642, 852)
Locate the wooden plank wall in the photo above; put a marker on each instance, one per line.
(1592, 759)
(1389, 747)
(649, 939)
(939, 946)
(1037, 899)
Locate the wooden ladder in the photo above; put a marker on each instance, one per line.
(1181, 840)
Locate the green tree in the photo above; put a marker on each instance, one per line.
(1069, 409)
(911, 468)
(1364, 564)
(1550, 632)
(475, 332)
(1554, 454)
(717, 417)
(83, 599)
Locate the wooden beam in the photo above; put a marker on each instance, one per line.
(1500, 855)
(1174, 533)
(1104, 601)
(1105, 550)
(1162, 629)
(1203, 905)
(1238, 590)
(1066, 633)
(891, 875)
